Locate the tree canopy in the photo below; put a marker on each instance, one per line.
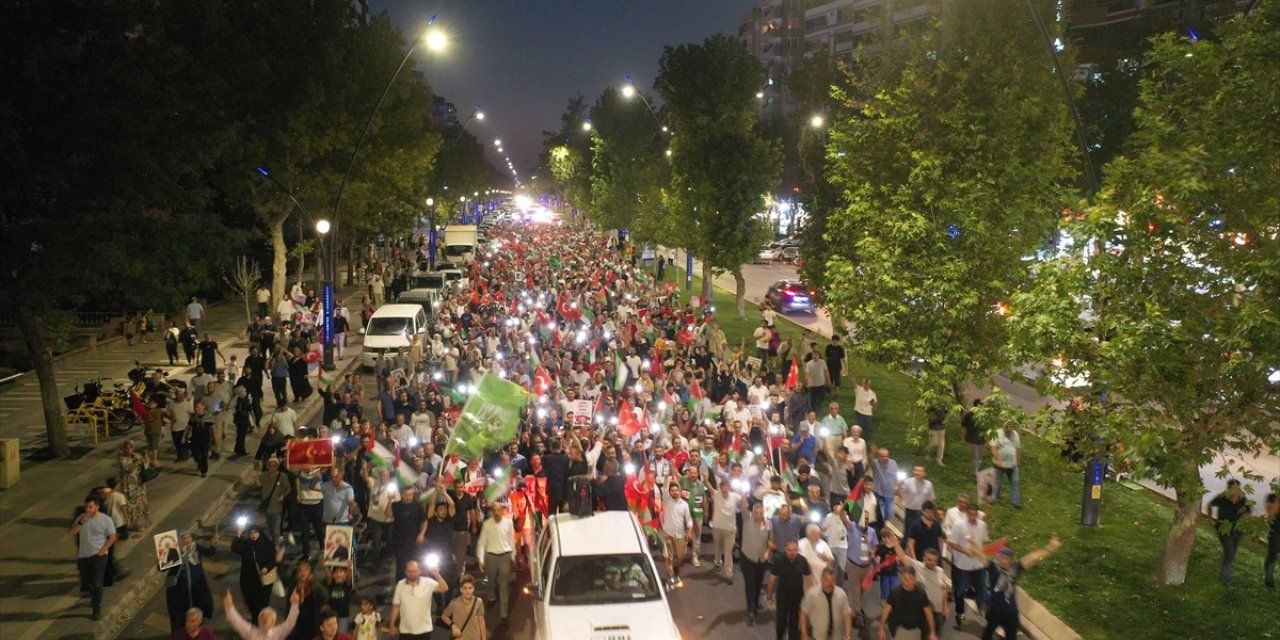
(955, 158)
(1169, 296)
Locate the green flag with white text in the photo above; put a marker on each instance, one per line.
(490, 418)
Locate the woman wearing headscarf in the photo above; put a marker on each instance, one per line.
(131, 464)
(258, 558)
(186, 587)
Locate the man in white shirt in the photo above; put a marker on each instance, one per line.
(864, 403)
(493, 552)
(857, 448)
(824, 611)
(816, 550)
(916, 490)
(285, 419)
(955, 515)
(423, 422)
(677, 528)
(411, 604)
(725, 505)
(836, 533)
(968, 560)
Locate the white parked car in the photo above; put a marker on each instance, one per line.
(769, 255)
(592, 577)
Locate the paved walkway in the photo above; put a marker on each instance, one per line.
(39, 587)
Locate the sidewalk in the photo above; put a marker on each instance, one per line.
(39, 587)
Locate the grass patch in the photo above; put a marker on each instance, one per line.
(1102, 582)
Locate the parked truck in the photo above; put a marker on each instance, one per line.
(460, 241)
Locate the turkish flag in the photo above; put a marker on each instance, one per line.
(793, 376)
(309, 453)
(542, 381)
(568, 309)
(628, 423)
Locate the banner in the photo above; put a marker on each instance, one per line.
(309, 454)
(490, 418)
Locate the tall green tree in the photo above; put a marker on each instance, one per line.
(721, 167)
(567, 154)
(107, 135)
(954, 166)
(628, 167)
(1169, 300)
(811, 83)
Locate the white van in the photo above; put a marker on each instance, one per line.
(390, 328)
(593, 578)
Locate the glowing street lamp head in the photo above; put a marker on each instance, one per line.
(497, 142)
(628, 91)
(322, 226)
(586, 126)
(479, 115)
(436, 40)
(816, 122)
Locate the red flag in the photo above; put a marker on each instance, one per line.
(568, 310)
(542, 381)
(871, 575)
(309, 453)
(996, 546)
(628, 423)
(793, 376)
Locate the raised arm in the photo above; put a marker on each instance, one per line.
(1034, 558)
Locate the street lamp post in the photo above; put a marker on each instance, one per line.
(326, 296)
(435, 41)
(431, 233)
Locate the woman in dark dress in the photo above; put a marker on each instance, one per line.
(186, 586)
(258, 557)
(298, 377)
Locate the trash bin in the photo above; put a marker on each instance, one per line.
(9, 462)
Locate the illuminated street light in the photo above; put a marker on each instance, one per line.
(586, 126)
(436, 40)
(816, 121)
(322, 226)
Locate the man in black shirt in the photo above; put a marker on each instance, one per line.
(925, 532)
(466, 520)
(556, 465)
(408, 529)
(907, 608)
(1231, 505)
(835, 358)
(791, 578)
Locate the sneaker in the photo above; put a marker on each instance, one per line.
(697, 562)
(959, 622)
(751, 619)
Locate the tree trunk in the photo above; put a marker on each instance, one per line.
(740, 289)
(55, 422)
(302, 267)
(279, 258)
(957, 392)
(707, 284)
(351, 263)
(1182, 535)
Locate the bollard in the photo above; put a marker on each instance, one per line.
(9, 462)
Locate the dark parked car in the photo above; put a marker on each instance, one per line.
(791, 295)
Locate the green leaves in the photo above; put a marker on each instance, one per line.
(953, 167)
(721, 168)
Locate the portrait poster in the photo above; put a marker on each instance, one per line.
(168, 555)
(339, 545)
(582, 411)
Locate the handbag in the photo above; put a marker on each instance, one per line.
(272, 576)
(148, 474)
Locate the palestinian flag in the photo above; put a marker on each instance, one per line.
(695, 397)
(793, 376)
(619, 372)
(995, 547)
(792, 482)
(535, 360)
(871, 575)
(853, 505)
(500, 486)
(405, 475)
(380, 456)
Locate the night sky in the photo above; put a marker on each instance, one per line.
(522, 60)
